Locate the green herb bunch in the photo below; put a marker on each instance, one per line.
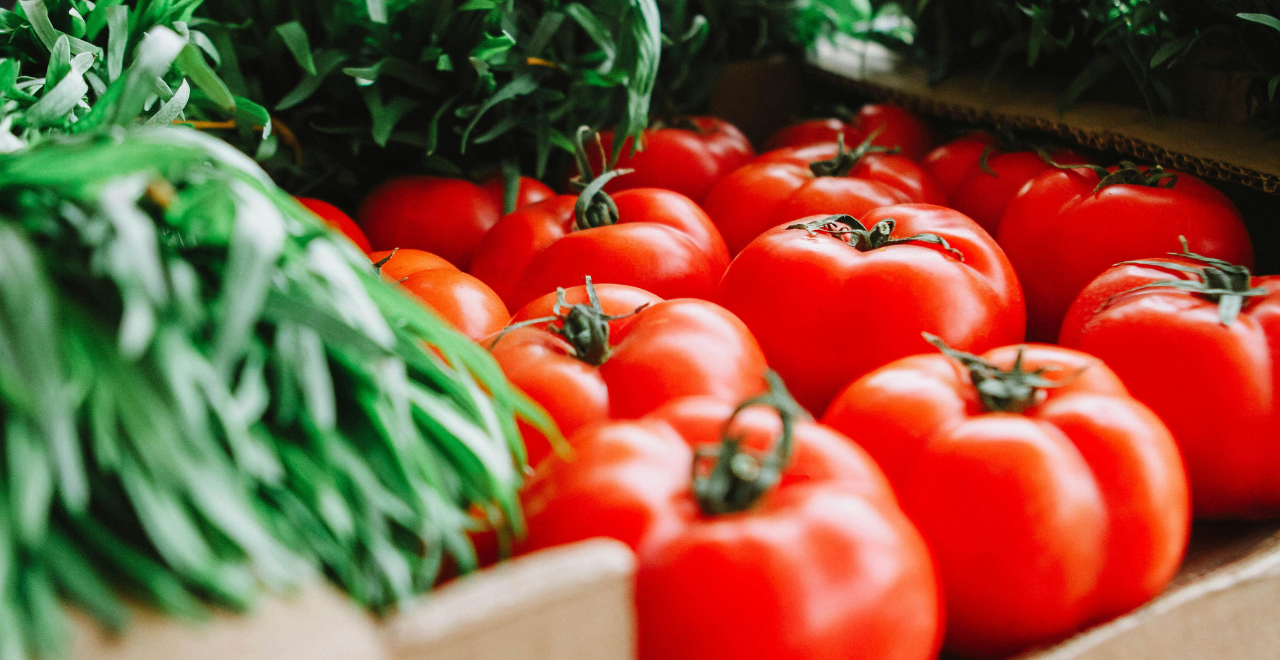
(701, 36)
(1084, 40)
(447, 88)
(63, 66)
(205, 393)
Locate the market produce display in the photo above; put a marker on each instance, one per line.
(1049, 496)
(383, 292)
(1224, 327)
(1067, 226)
(805, 554)
(830, 298)
(592, 353)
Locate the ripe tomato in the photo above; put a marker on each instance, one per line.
(1205, 360)
(462, 300)
(658, 240)
(1066, 227)
(1051, 499)
(898, 128)
(606, 360)
(829, 300)
(980, 175)
(896, 170)
(688, 157)
(443, 216)
(335, 218)
(798, 553)
(778, 189)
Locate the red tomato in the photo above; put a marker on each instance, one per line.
(610, 361)
(898, 171)
(688, 158)
(401, 263)
(660, 241)
(898, 128)
(1209, 369)
(979, 178)
(530, 191)
(462, 300)
(1060, 234)
(443, 216)
(1051, 500)
(811, 560)
(829, 304)
(780, 188)
(335, 218)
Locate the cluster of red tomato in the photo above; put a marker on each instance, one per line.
(978, 493)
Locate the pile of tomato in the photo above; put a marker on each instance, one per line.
(798, 384)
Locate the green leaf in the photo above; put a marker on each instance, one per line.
(519, 86)
(1262, 19)
(385, 117)
(295, 39)
(192, 64)
(596, 31)
(377, 10)
(117, 39)
(172, 109)
(326, 63)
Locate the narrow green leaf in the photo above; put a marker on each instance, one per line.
(1087, 78)
(192, 64)
(117, 39)
(295, 39)
(519, 86)
(1262, 19)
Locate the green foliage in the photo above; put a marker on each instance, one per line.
(205, 393)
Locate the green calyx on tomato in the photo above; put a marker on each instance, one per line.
(1010, 391)
(851, 231)
(845, 160)
(595, 208)
(738, 479)
(1220, 281)
(1128, 172)
(584, 327)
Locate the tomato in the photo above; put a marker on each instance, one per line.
(980, 176)
(898, 128)
(1201, 346)
(829, 300)
(443, 216)
(462, 300)
(658, 240)
(802, 554)
(623, 356)
(335, 218)
(897, 171)
(689, 157)
(1050, 497)
(780, 187)
(1060, 234)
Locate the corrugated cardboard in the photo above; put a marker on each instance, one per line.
(1220, 150)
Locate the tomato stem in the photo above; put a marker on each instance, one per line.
(738, 479)
(846, 160)
(1127, 173)
(1012, 391)
(856, 235)
(584, 327)
(1220, 281)
(595, 208)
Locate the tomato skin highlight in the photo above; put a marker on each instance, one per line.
(824, 566)
(1215, 385)
(335, 218)
(669, 349)
(826, 313)
(468, 304)
(448, 217)
(1042, 522)
(679, 159)
(980, 194)
(1059, 234)
(663, 243)
(897, 171)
